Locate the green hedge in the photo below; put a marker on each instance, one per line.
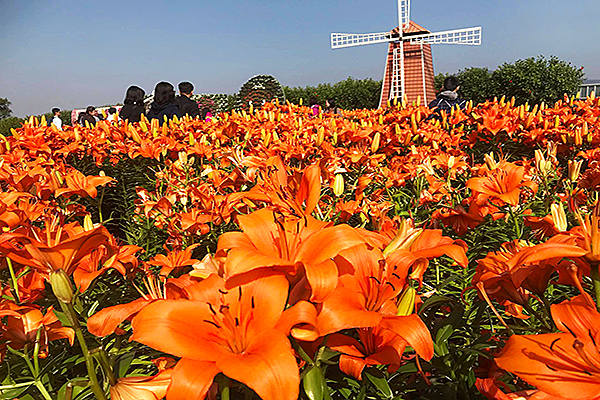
(531, 80)
(349, 94)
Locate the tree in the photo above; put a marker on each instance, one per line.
(350, 94)
(530, 80)
(5, 110)
(538, 79)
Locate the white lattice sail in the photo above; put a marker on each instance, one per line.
(404, 10)
(339, 40)
(468, 36)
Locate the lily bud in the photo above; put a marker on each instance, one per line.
(542, 165)
(143, 126)
(320, 136)
(558, 216)
(489, 161)
(88, 225)
(338, 185)
(375, 142)
(406, 305)
(61, 286)
(405, 237)
(574, 167)
(413, 124)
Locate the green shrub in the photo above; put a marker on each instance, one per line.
(530, 80)
(349, 94)
(535, 80)
(11, 122)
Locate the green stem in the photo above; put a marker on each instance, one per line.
(100, 200)
(515, 222)
(538, 316)
(42, 390)
(36, 353)
(102, 358)
(13, 281)
(17, 385)
(89, 362)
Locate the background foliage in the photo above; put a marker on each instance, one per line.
(532, 80)
(350, 94)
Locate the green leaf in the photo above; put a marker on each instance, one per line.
(123, 363)
(78, 386)
(314, 383)
(441, 340)
(378, 379)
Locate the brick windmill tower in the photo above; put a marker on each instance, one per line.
(409, 63)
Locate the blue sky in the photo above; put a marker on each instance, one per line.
(71, 54)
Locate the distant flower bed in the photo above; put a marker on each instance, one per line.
(267, 253)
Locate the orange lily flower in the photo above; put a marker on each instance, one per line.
(174, 260)
(232, 332)
(413, 247)
(79, 184)
(366, 297)
(31, 287)
(101, 260)
(107, 320)
(60, 248)
(489, 388)
(459, 219)
(290, 244)
(142, 387)
(376, 347)
(23, 323)
(505, 282)
(503, 183)
(566, 365)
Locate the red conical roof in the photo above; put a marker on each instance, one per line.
(412, 27)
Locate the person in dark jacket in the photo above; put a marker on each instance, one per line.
(134, 104)
(448, 98)
(184, 102)
(163, 104)
(89, 115)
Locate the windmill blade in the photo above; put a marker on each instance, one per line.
(339, 40)
(470, 36)
(404, 12)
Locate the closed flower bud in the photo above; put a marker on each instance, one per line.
(338, 185)
(574, 168)
(558, 216)
(406, 305)
(61, 286)
(375, 142)
(489, 161)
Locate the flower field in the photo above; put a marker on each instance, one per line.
(381, 254)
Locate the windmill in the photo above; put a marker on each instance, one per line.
(409, 64)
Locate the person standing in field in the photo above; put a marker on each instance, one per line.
(89, 115)
(314, 106)
(184, 102)
(134, 104)
(56, 121)
(448, 98)
(112, 115)
(332, 108)
(163, 104)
